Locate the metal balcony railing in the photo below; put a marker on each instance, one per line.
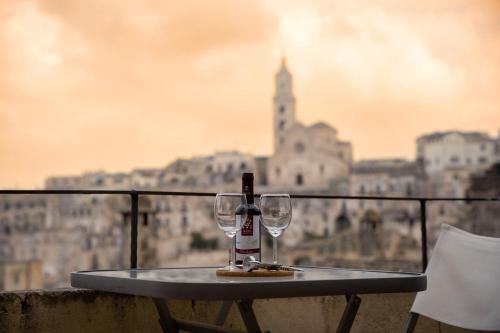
(135, 194)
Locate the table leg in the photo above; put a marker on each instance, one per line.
(248, 316)
(350, 311)
(167, 322)
(223, 312)
(171, 325)
(411, 322)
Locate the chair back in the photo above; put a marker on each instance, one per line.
(463, 281)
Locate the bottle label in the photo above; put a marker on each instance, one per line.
(247, 228)
(248, 239)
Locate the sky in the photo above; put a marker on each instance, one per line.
(120, 84)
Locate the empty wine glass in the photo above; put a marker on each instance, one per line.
(230, 209)
(276, 216)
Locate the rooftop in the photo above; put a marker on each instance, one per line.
(469, 136)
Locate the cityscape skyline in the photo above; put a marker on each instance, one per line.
(69, 104)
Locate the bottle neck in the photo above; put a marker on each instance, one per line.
(248, 190)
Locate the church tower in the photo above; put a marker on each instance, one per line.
(284, 105)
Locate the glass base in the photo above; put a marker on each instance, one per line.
(231, 268)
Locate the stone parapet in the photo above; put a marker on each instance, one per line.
(78, 310)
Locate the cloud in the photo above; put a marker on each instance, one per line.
(164, 28)
(119, 84)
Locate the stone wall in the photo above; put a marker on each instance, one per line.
(76, 310)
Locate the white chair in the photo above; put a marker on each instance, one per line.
(463, 282)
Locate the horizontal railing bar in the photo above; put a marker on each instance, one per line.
(212, 194)
(357, 197)
(97, 192)
(65, 191)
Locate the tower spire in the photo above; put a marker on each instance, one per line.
(284, 104)
(283, 61)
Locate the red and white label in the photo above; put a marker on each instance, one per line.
(248, 239)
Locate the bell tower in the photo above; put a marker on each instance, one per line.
(284, 105)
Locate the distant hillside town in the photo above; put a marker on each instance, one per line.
(45, 237)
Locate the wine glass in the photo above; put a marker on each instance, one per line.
(230, 210)
(276, 216)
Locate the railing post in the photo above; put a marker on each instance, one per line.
(134, 219)
(423, 231)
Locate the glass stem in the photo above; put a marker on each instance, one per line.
(275, 250)
(231, 253)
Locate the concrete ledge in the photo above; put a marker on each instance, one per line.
(78, 310)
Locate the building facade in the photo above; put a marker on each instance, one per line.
(441, 151)
(305, 157)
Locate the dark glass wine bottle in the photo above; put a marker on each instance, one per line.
(248, 238)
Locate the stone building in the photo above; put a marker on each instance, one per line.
(384, 178)
(62, 232)
(90, 180)
(440, 151)
(207, 171)
(484, 217)
(145, 178)
(21, 275)
(305, 157)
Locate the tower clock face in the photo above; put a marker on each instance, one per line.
(299, 147)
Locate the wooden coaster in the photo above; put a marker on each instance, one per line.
(254, 273)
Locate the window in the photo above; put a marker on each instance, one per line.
(378, 189)
(362, 189)
(483, 160)
(277, 171)
(482, 147)
(454, 159)
(282, 140)
(243, 166)
(299, 180)
(321, 169)
(282, 124)
(409, 189)
(184, 224)
(17, 276)
(299, 147)
(282, 109)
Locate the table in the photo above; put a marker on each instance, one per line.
(201, 283)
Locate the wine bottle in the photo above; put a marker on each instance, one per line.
(248, 238)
